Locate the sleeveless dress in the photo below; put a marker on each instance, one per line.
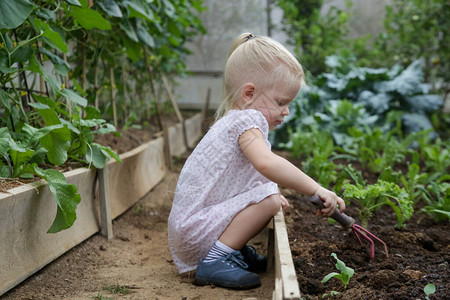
(216, 182)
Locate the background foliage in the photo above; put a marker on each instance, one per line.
(59, 60)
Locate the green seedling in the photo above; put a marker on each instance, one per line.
(437, 198)
(344, 276)
(429, 289)
(331, 294)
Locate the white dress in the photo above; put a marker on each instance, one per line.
(216, 182)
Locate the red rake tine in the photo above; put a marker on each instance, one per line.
(349, 222)
(357, 230)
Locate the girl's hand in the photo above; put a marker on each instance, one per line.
(330, 201)
(284, 203)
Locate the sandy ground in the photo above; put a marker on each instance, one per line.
(135, 264)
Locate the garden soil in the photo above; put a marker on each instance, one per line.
(418, 254)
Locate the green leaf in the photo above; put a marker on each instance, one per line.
(133, 49)
(51, 37)
(57, 142)
(54, 57)
(74, 97)
(45, 13)
(111, 8)
(105, 129)
(74, 2)
(91, 112)
(126, 26)
(48, 114)
(14, 13)
(5, 66)
(139, 9)
(344, 276)
(66, 196)
(4, 100)
(143, 35)
(19, 158)
(35, 66)
(96, 156)
(22, 54)
(329, 276)
(89, 18)
(429, 289)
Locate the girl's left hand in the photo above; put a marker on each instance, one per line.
(284, 203)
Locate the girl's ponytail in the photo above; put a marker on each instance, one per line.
(244, 37)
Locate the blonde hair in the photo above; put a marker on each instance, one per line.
(261, 61)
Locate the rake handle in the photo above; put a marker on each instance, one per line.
(339, 217)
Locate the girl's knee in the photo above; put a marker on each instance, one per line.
(274, 203)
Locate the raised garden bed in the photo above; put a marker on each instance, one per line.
(26, 212)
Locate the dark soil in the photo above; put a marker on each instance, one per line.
(418, 254)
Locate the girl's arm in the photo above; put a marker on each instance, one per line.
(283, 172)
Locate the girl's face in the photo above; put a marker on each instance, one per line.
(274, 104)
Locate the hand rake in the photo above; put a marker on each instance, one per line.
(349, 222)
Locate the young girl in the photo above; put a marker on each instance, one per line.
(227, 190)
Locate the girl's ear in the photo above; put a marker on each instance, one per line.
(248, 92)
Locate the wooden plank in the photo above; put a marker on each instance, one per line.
(105, 206)
(27, 212)
(141, 170)
(278, 291)
(283, 260)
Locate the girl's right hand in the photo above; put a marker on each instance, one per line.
(330, 202)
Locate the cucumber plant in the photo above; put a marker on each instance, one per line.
(52, 54)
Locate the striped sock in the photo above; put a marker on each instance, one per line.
(217, 251)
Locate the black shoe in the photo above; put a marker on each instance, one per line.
(255, 261)
(229, 271)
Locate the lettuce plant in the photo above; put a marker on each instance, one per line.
(372, 196)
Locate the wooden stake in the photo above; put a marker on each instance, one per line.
(113, 96)
(96, 85)
(152, 88)
(125, 92)
(177, 110)
(172, 98)
(41, 79)
(66, 84)
(105, 207)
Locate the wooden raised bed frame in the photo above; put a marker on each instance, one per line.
(26, 212)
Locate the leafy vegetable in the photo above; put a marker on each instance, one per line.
(351, 96)
(345, 275)
(437, 197)
(371, 197)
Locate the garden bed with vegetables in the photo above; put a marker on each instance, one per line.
(418, 255)
(379, 139)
